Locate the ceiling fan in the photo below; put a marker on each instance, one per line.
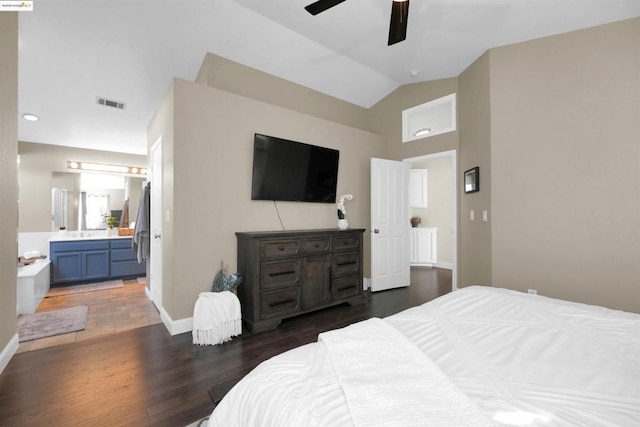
(397, 26)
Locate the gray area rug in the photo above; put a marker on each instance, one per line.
(89, 287)
(50, 323)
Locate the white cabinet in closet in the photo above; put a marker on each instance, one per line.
(424, 244)
(418, 188)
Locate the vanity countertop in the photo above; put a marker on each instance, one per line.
(85, 235)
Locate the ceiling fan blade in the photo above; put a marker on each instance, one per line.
(321, 6)
(398, 25)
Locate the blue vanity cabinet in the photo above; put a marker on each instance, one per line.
(77, 261)
(124, 262)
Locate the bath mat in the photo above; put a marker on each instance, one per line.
(50, 323)
(89, 287)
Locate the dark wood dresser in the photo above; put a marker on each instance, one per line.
(287, 273)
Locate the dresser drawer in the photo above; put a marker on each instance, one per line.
(279, 248)
(345, 287)
(277, 274)
(346, 243)
(315, 246)
(279, 303)
(346, 263)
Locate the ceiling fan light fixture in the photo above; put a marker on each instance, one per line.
(321, 5)
(398, 24)
(422, 132)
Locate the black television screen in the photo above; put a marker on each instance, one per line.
(293, 171)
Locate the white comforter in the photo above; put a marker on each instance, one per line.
(524, 360)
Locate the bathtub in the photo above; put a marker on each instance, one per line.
(33, 285)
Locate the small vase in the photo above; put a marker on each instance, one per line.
(343, 224)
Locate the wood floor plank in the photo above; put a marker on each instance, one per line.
(145, 377)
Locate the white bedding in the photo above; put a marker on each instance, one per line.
(524, 360)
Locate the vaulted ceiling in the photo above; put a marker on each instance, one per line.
(73, 51)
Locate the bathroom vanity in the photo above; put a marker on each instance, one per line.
(91, 258)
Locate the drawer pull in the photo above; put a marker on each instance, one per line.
(344, 288)
(281, 248)
(317, 245)
(281, 273)
(340, 264)
(287, 301)
(346, 242)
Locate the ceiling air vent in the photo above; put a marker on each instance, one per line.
(110, 103)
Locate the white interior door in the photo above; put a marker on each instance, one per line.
(389, 224)
(155, 257)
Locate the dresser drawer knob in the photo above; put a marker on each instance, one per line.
(317, 245)
(281, 248)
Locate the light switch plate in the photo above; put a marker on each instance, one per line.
(472, 215)
(485, 215)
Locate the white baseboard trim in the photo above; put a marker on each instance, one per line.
(366, 283)
(447, 265)
(8, 351)
(176, 327)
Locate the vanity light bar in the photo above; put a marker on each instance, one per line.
(99, 167)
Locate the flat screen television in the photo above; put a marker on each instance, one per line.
(293, 171)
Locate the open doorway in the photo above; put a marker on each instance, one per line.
(434, 239)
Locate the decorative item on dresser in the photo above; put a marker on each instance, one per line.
(287, 273)
(343, 224)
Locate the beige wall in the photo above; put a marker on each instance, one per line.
(439, 212)
(230, 76)
(474, 237)
(8, 174)
(565, 159)
(37, 164)
(213, 155)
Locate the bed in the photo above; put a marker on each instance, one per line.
(477, 356)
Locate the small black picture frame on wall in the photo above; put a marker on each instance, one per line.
(472, 180)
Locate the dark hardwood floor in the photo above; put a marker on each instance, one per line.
(147, 377)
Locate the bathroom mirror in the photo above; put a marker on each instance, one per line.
(80, 199)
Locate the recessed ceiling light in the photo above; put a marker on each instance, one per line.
(30, 117)
(422, 131)
(414, 73)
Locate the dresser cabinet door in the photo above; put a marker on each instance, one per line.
(315, 282)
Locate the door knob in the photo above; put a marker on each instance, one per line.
(156, 236)
(376, 231)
